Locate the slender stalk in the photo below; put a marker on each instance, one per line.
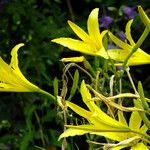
(40, 126)
(130, 78)
(70, 10)
(48, 94)
(120, 91)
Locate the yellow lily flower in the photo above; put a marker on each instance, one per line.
(138, 58)
(103, 125)
(91, 43)
(12, 79)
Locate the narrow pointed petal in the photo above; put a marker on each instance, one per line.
(86, 96)
(93, 118)
(73, 59)
(128, 32)
(12, 88)
(139, 146)
(72, 132)
(80, 111)
(118, 54)
(14, 60)
(144, 17)
(122, 118)
(93, 27)
(135, 121)
(79, 32)
(101, 131)
(139, 58)
(76, 45)
(98, 129)
(14, 54)
(118, 42)
(143, 129)
(11, 78)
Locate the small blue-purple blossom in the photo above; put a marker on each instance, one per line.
(105, 21)
(130, 12)
(119, 68)
(122, 36)
(110, 46)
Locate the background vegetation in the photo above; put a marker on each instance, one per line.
(31, 121)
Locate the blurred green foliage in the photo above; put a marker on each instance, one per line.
(30, 121)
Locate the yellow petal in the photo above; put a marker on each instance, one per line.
(128, 32)
(121, 118)
(93, 28)
(14, 59)
(72, 132)
(139, 146)
(118, 54)
(101, 131)
(120, 43)
(79, 32)
(12, 88)
(135, 121)
(94, 129)
(144, 17)
(139, 58)
(101, 116)
(76, 45)
(11, 78)
(82, 112)
(93, 118)
(73, 59)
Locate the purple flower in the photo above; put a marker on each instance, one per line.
(130, 12)
(119, 68)
(105, 21)
(122, 36)
(110, 46)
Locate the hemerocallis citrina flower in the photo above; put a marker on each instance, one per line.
(12, 79)
(103, 125)
(91, 43)
(138, 58)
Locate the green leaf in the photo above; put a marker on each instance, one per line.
(25, 141)
(75, 84)
(55, 85)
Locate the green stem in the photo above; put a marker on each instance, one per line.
(40, 127)
(130, 78)
(137, 45)
(48, 94)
